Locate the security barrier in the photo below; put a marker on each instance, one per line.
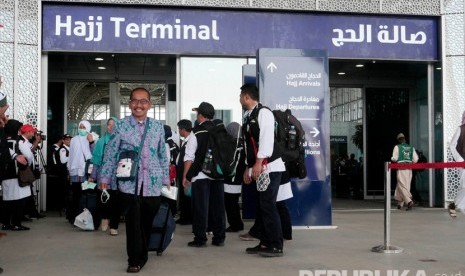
(387, 247)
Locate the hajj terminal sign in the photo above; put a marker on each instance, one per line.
(133, 29)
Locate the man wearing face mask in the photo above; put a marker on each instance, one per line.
(79, 153)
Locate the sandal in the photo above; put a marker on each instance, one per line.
(133, 269)
(452, 212)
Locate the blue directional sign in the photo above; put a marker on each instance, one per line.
(297, 80)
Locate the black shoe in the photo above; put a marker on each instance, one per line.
(254, 250)
(7, 227)
(20, 228)
(271, 252)
(218, 243)
(133, 269)
(410, 206)
(26, 219)
(233, 230)
(197, 244)
(38, 216)
(399, 207)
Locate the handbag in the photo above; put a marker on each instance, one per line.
(25, 176)
(84, 220)
(128, 164)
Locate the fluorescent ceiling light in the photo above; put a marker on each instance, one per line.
(359, 65)
(99, 59)
(101, 67)
(341, 73)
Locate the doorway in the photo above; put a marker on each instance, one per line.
(387, 114)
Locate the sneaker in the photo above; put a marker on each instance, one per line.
(197, 244)
(254, 250)
(270, 252)
(247, 237)
(113, 232)
(104, 225)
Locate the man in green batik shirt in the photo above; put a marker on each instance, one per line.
(403, 153)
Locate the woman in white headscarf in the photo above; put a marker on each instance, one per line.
(79, 153)
(457, 148)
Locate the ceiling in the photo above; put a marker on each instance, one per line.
(162, 68)
(117, 67)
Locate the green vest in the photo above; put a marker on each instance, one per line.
(405, 153)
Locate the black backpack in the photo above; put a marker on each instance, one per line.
(174, 150)
(222, 148)
(292, 150)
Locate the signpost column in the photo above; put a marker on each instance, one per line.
(297, 79)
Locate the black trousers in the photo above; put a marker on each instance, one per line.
(208, 197)
(185, 205)
(13, 211)
(233, 211)
(73, 208)
(267, 225)
(140, 212)
(110, 210)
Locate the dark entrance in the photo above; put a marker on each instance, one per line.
(387, 114)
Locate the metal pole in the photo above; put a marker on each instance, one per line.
(387, 247)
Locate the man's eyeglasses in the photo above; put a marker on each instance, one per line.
(141, 101)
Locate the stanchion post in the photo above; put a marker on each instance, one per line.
(387, 247)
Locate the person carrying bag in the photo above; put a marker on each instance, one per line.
(136, 154)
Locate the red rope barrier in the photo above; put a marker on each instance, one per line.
(420, 166)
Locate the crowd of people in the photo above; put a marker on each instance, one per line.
(85, 171)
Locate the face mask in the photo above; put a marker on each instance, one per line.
(82, 132)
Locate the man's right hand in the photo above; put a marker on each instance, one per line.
(186, 183)
(21, 159)
(103, 186)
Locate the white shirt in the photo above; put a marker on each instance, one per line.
(25, 147)
(63, 157)
(191, 148)
(266, 123)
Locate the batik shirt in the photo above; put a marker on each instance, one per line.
(154, 164)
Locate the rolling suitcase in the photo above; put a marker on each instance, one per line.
(163, 227)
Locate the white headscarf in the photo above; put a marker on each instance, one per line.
(86, 124)
(463, 118)
(79, 152)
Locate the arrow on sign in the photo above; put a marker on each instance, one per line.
(271, 67)
(315, 132)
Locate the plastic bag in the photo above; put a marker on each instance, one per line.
(84, 220)
(263, 181)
